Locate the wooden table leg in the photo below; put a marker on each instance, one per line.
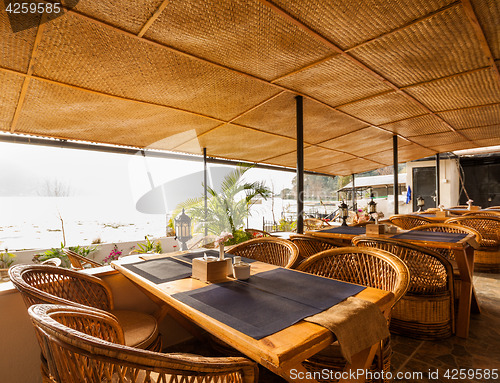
(354, 372)
(360, 363)
(465, 261)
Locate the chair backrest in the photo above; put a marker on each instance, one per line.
(309, 245)
(56, 285)
(52, 261)
(314, 223)
(492, 213)
(408, 221)
(448, 228)
(78, 262)
(276, 251)
(430, 272)
(492, 207)
(77, 354)
(487, 226)
(368, 267)
(256, 233)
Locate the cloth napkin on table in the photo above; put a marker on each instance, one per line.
(357, 324)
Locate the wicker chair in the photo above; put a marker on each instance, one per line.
(492, 207)
(309, 245)
(52, 262)
(367, 267)
(276, 251)
(56, 285)
(487, 257)
(427, 310)
(77, 353)
(408, 221)
(79, 262)
(447, 253)
(492, 213)
(314, 223)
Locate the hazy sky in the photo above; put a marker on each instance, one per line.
(25, 170)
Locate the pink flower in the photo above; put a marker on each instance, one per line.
(223, 237)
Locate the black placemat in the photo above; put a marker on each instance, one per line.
(251, 311)
(430, 236)
(161, 270)
(320, 293)
(188, 257)
(354, 230)
(261, 307)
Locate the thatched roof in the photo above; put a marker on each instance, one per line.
(222, 74)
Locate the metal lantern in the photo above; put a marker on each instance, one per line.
(344, 212)
(372, 207)
(420, 203)
(183, 229)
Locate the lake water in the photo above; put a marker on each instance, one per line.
(35, 222)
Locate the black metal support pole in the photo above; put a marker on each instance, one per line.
(438, 186)
(395, 164)
(354, 195)
(205, 195)
(300, 164)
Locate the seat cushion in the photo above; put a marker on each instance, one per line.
(140, 330)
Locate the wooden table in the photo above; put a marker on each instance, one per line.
(280, 352)
(463, 251)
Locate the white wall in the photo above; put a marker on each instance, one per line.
(448, 176)
(19, 350)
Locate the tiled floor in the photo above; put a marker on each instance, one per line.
(481, 350)
(416, 358)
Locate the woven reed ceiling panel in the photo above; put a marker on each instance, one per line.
(279, 116)
(230, 141)
(118, 121)
(470, 117)
(242, 34)
(185, 74)
(10, 88)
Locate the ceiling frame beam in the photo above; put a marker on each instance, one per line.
(153, 18)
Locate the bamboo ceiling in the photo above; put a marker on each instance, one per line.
(181, 75)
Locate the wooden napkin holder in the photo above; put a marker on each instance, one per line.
(210, 270)
(441, 214)
(375, 229)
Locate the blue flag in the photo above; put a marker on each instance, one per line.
(408, 195)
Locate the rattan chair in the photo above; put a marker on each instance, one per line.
(56, 285)
(79, 262)
(276, 251)
(491, 213)
(450, 228)
(487, 257)
(309, 245)
(408, 221)
(314, 223)
(492, 207)
(52, 262)
(363, 266)
(77, 353)
(427, 309)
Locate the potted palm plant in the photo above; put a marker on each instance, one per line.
(227, 209)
